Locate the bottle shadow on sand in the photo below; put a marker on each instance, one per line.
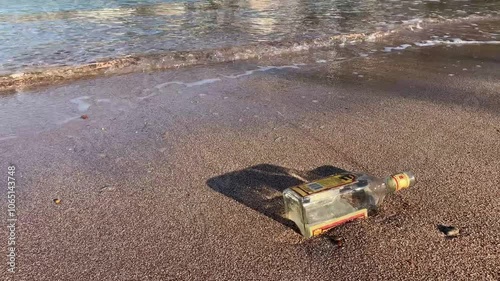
(260, 187)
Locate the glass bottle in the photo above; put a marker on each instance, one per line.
(318, 206)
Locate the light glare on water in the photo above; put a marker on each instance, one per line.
(69, 32)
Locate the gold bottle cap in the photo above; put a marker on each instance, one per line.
(399, 181)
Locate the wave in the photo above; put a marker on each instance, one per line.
(176, 59)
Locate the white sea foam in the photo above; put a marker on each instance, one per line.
(261, 69)
(82, 105)
(401, 47)
(67, 120)
(436, 41)
(8, 138)
(202, 82)
(189, 85)
(214, 80)
(454, 41)
(148, 96)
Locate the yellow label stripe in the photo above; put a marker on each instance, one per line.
(300, 191)
(323, 227)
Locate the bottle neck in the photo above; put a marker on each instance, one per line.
(399, 181)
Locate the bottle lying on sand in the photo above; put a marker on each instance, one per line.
(318, 206)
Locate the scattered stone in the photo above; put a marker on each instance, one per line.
(453, 232)
(57, 201)
(107, 188)
(339, 241)
(84, 116)
(449, 231)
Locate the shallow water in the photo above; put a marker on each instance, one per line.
(70, 32)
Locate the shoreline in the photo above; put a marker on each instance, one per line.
(169, 60)
(175, 59)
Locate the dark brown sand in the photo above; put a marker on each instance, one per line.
(184, 183)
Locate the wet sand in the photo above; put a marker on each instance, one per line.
(181, 181)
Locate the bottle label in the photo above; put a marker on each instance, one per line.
(323, 227)
(401, 181)
(325, 184)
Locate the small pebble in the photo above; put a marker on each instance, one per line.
(449, 231)
(84, 116)
(57, 201)
(339, 241)
(107, 188)
(451, 74)
(452, 232)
